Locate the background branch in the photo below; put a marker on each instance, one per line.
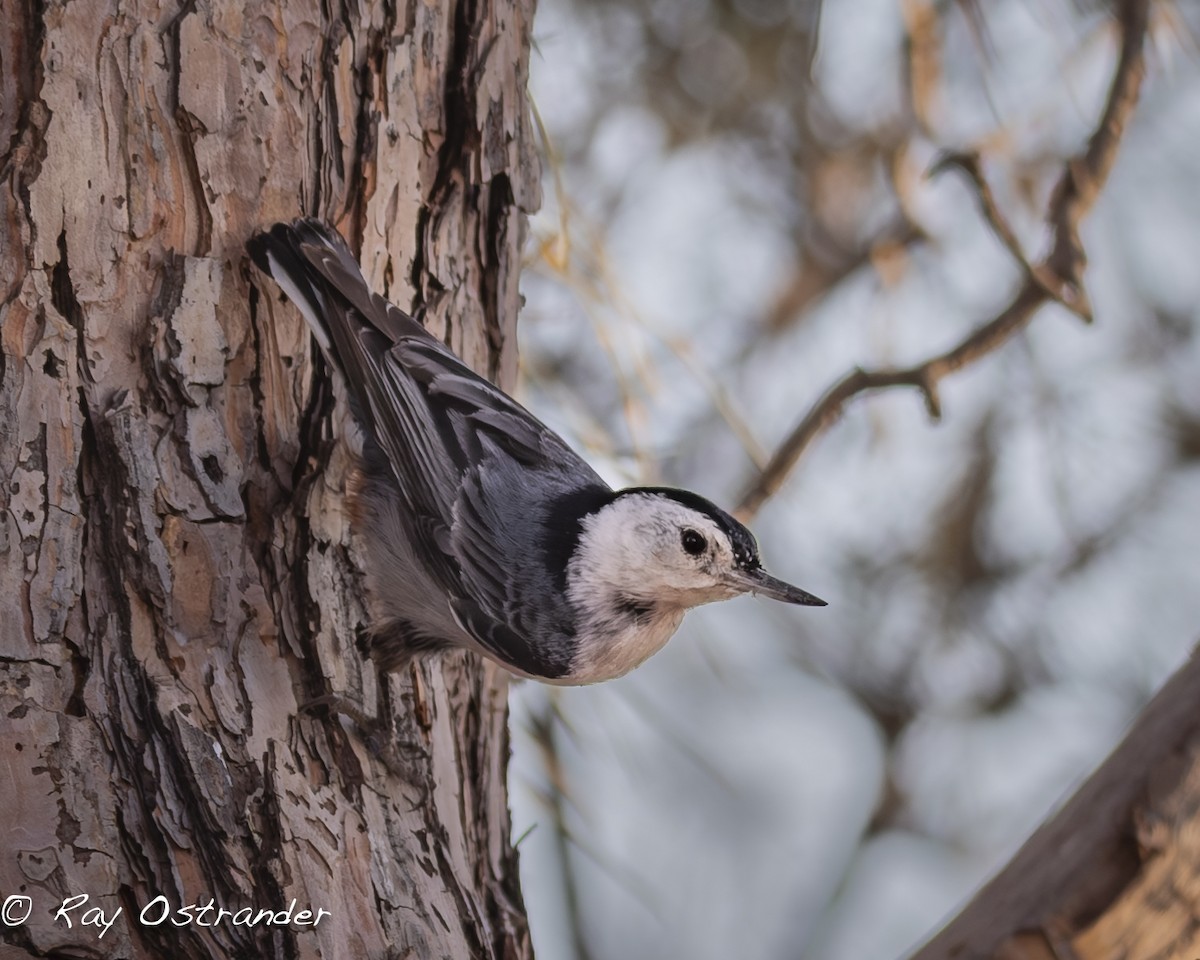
(1059, 276)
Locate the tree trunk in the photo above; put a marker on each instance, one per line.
(177, 575)
(1115, 874)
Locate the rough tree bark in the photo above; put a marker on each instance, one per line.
(176, 571)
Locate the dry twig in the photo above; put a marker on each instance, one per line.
(1058, 277)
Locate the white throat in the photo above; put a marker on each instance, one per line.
(628, 602)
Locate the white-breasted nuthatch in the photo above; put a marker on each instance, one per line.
(482, 528)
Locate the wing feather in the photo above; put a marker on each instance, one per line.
(474, 468)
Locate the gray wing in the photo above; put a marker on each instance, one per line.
(476, 470)
(507, 470)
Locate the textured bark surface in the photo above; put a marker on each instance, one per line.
(176, 569)
(1115, 874)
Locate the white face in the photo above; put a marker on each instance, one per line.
(640, 563)
(682, 556)
(652, 548)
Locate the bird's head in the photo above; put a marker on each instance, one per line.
(661, 546)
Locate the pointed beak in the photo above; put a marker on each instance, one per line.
(762, 584)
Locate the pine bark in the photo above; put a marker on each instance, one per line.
(177, 570)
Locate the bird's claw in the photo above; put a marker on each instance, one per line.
(379, 736)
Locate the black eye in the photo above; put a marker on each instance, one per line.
(694, 542)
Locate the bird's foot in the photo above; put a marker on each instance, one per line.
(402, 758)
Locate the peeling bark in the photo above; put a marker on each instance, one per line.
(177, 572)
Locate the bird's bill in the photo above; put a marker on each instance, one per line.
(762, 584)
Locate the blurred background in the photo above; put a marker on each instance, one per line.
(737, 213)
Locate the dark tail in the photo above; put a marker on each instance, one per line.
(313, 265)
(356, 328)
(280, 252)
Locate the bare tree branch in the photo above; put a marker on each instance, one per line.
(969, 164)
(1058, 277)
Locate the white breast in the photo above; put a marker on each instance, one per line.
(611, 648)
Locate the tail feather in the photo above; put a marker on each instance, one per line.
(313, 265)
(356, 328)
(278, 252)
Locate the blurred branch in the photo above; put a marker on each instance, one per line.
(542, 729)
(924, 57)
(1058, 277)
(814, 278)
(969, 164)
